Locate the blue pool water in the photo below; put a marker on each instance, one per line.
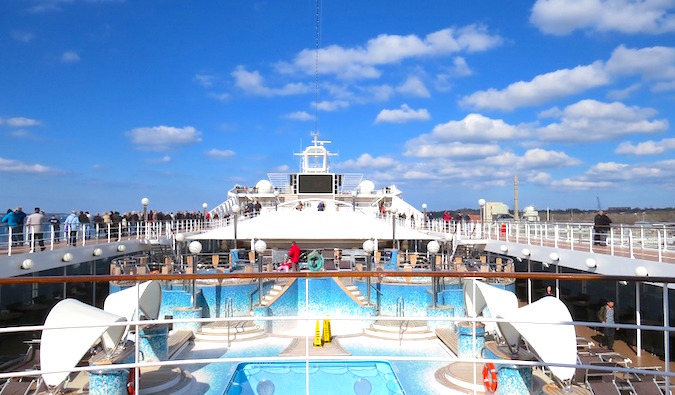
(325, 377)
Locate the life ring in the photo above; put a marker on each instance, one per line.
(490, 377)
(314, 261)
(131, 383)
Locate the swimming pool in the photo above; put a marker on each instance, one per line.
(325, 377)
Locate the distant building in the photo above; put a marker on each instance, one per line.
(617, 209)
(494, 209)
(530, 214)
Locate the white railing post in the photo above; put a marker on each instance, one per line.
(555, 235)
(571, 238)
(591, 238)
(642, 237)
(638, 320)
(630, 243)
(51, 237)
(611, 241)
(622, 238)
(665, 239)
(658, 246)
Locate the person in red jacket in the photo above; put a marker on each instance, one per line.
(294, 255)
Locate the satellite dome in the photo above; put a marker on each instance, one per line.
(264, 186)
(366, 187)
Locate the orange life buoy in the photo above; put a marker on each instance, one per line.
(131, 383)
(490, 377)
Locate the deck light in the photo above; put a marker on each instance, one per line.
(180, 237)
(641, 271)
(67, 257)
(195, 247)
(27, 264)
(205, 206)
(554, 256)
(97, 252)
(121, 248)
(433, 247)
(145, 202)
(591, 263)
(526, 252)
(504, 248)
(260, 246)
(368, 246)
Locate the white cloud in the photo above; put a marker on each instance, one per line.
(460, 68)
(591, 120)
(361, 62)
(331, 105)
(300, 116)
(24, 37)
(652, 63)
(366, 161)
(163, 159)
(620, 94)
(252, 83)
(452, 150)
(216, 153)
(646, 147)
(404, 114)
(205, 80)
(540, 89)
(21, 122)
(160, 138)
(13, 166)
(220, 96)
(70, 57)
(23, 134)
(561, 17)
(473, 128)
(413, 86)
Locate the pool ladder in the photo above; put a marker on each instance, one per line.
(229, 313)
(403, 324)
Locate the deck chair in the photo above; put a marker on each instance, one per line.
(645, 387)
(13, 387)
(601, 387)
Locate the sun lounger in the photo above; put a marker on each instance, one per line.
(646, 387)
(600, 387)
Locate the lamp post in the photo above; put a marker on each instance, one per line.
(195, 248)
(354, 200)
(205, 206)
(260, 246)
(481, 203)
(424, 208)
(145, 201)
(393, 212)
(180, 237)
(433, 248)
(526, 253)
(368, 247)
(235, 211)
(276, 200)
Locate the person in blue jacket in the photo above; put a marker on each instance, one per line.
(13, 223)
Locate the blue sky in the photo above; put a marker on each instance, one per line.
(103, 102)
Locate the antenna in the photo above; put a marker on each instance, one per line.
(316, 72)
(599, 206)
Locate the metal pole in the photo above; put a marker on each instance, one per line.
(638, 320)
(260, 280)
(194, 282)
(368, 280)
(433, 281)
(235, 230)
(393, 230)
(529, 282)
(666, 336)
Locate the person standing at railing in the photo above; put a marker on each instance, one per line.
(13, 223)
(606, 316)
(294, 255)
(601, 228)
(56, 227)
(72, 223)
(84, 220)
(34, 228)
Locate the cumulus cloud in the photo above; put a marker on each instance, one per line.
(650, 147)
(404, 114)
(651, 63)
(300, 116)
(451, 150)
(70, 57)
(367, 161)
(461, 68)
(331, 105)
(561, 17)
(23, 134)
(361, 62)
(205, 80)
(620, 94)
(163, 159)
(413, 86)
(23, 37)
(160, 138)
(253, 83)
(540, 89)
(216, 153)
(14, 166)
(220, 96)
(473, 128)
(21, 122)
(591, 120)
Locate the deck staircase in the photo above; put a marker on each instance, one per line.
(220, 331)
(159, 380)
(400, 329)
(356, 294)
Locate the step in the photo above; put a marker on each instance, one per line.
(273, 292)
(277, 287)
(234, 337)
(234, 327)
(397, 328)
(165, 380)
(351, 287)
(372, 332)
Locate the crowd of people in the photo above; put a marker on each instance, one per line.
(25, 228)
